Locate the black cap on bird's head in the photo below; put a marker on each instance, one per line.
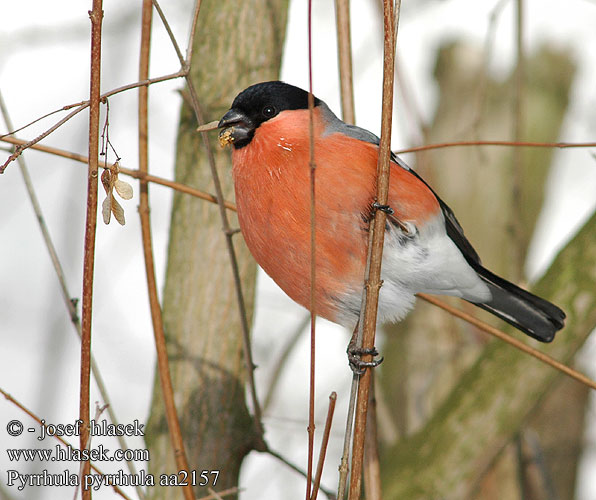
(257, 104)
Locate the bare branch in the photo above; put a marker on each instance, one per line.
(375, 251)
(96, 16)
(81, 107)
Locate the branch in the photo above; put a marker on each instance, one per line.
(81, 106)
(313, 263)
(520, 144)
(156, 316)
(137, 174)
(375, 250)
(324, 442)
(96, 16)
(344, 49)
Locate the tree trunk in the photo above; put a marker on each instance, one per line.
(236, 44)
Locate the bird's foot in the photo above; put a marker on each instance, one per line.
(357, 365)
(383, 208)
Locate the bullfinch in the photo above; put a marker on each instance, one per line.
(425, 248)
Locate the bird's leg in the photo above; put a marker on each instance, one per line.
(355, 354)
(383, 208)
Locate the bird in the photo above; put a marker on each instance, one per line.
(425, 249)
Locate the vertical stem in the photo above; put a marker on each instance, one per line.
(372, 466)
(516, 219)
(344, 46)
(313, 312)
(373, 282)
(324, 442)
(156, 316)
(96, 16)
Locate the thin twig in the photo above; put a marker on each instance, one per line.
(191, 36)
(348, 115)
(209, 197)
(516, 166)
(358, 330)
(344, 48)
(156, 316)
(373, 279)
(96, 16)
(313, 260)
(26, 410)
(63, 108)
(183, 72)
(324, 442)
(83, 106)
(22, 148)
(68, 300)
(221, 494)
(166, 25)
(137, 174)
(215, 494)
(98, 411)
(280, 363)
(545, 358)
(482, 86)
(523, 144)
(372, 466)
(344, 467)
(297, 469)
(134, 173)
(342, 11)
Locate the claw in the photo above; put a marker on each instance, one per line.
(383, 208)
(356, 364)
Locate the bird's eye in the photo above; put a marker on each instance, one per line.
(269, 111)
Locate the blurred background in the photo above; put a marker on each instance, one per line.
(456, 81)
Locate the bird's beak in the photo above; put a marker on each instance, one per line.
(236, 127)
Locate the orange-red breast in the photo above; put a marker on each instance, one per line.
(425, 248)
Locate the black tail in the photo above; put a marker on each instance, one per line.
(532, 315)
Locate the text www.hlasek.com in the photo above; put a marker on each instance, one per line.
(69, 454)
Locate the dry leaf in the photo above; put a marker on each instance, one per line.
(124, 189)
(110, 181)
(106, 209)
(118, 212)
